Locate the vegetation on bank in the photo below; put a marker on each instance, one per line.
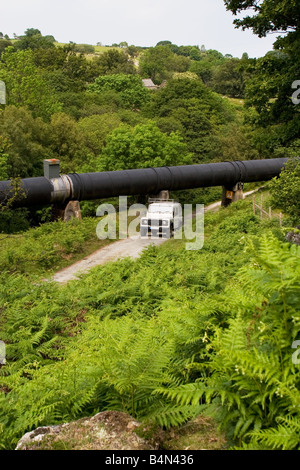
(165, 338)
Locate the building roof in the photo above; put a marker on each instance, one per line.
(148, 83)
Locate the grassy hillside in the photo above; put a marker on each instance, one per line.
(97, 49)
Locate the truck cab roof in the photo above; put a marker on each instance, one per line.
(161, 207)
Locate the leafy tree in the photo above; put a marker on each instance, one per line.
(3, 45)
(25, 84)
(132, 51)
(291, 151)
(164, 43)
(189, 51)
(269, 91)
(141, 147)
(114, 61)
(177, 89)
(33, 39)
(205, 66)
(130, 89)
(95, 130)
(158, 63)
(52, 58)
(74, 69)
(204, 69)
(198, 110)
(228, 79)
(169, 124)
(11, 220)
(269, 16)
(87, 103)
(32, 32)
(234, 142)
(195, 53)
(66, 141)
(68, 75)
(79, 70)
(26, 141)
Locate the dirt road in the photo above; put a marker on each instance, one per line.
(120, 249)
(116, 250)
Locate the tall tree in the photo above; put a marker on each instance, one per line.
(159, 63)
(129, 88)
(270, 89)
(115, 61)
(196, 108)
(142, 146)
(270, 16)
(33, 39)
(228, 79)
(25, 84)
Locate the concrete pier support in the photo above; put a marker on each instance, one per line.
(232, 194)
(66, 211)
(163, 195)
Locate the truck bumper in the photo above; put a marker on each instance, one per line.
(155, 232)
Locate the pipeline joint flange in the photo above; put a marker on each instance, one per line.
(62, 189)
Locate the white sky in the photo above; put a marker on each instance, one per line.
(138, 22)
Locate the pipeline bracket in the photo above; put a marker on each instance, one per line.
(232, 194)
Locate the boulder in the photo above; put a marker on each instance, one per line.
(114, 430)
(108, 430)
(294, 237)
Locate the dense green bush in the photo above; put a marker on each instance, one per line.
(44, 248)
(130, 88)
(144, 146)
(253, 383)
(285, 190)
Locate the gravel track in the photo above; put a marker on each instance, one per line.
(120, 249)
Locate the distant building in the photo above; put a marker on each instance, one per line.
(149, 84)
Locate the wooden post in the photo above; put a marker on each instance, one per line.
(270, 212)
(254, 211)
(280, 219)
(261, 206)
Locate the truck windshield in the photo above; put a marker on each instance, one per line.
(160, 209)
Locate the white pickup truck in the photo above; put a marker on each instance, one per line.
(162, 218)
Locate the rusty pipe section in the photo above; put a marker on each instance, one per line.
(88, 186)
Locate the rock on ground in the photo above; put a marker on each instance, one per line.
(294, 237)
(108, 430)
(114, 430)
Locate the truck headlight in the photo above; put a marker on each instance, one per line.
(165, 223)
(144, 222)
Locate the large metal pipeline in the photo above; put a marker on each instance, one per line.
(87, 186)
